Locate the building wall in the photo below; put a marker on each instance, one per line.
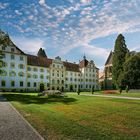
(56, 76)
(14, 67)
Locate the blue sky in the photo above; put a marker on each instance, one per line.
(70, 28)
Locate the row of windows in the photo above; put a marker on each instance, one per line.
(12, 65)
(12, 73)
(36, 76)
(4, 48)
(87, 80)
(36, 69)
(57, 66)
(21, 84)
(21, 58)
(57, 82)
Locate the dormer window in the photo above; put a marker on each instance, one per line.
(12, 49)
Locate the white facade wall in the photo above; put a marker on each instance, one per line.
(36, 76)
(33, 76)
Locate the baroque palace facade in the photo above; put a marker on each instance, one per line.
(24, 72)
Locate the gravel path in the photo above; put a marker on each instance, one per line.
(13, 126)
(109, 96)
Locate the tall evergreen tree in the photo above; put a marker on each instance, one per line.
(41, 53)
(131, 74)
(119, 56)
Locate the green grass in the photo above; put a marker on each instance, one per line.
(124, 94)
(80, 117)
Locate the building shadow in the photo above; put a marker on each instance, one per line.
(35, 99)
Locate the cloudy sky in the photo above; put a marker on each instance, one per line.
(70, 28)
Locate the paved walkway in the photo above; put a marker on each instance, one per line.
(109, 96)
(13, 126)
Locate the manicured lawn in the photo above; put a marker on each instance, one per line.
(80, 117)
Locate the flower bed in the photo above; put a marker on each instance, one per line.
(110, 91)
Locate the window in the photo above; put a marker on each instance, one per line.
(53, 81)
(62, 81)
(57, 81)
(29, 68)
(70, 79)
(3, 48)
(3, 55)
(12, 49)
(12, 57)
(28, 84)
(62, 67)
(29, 75)
(41, 70)
(12, 83)
(12, 65)
(21, 58)
(21, 66)
(12, 73)
(35, 76)
(21, 74)
(4, 73)
(3, 83)
(4, 64)
(41, 76)
(21, 83)
(34, 84)
(75, 86)
(35, 69)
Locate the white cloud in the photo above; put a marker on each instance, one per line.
(28, 45)
(86, 1)
(42, 2)
(3, 5)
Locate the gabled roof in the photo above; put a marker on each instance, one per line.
(4, 37)
(83, 63)
(109, 59)
(71, 66)
(38, 61)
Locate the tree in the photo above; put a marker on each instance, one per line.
(1, 62)
(92, 89)
(119, 57)
(78, 90)
(131, 74)
(41, 53)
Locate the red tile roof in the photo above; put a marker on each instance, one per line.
(38, 61)
(71, 66)
(83, 63)
(46, 62)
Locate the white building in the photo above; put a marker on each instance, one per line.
(24, 72)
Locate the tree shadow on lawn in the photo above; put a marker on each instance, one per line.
(34, 99)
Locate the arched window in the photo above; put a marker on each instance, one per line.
(12, 73)
(58, 81)
(35, 76)
(21, 74)
(4, 73)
